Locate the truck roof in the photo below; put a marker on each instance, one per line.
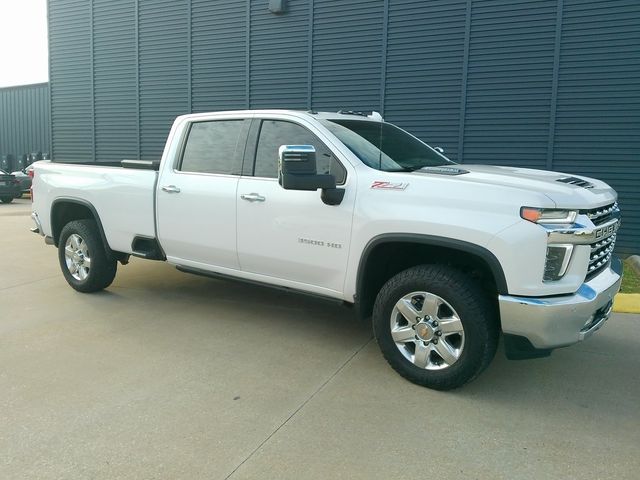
(341, 114)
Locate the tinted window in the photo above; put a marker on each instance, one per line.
(275, 133)
(211, 147)
(384, 146)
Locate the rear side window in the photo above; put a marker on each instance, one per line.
(274, 133)
(211, 147)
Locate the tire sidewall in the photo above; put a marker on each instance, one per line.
(102, 270)
(471, 309)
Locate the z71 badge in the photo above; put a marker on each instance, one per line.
(388, 185)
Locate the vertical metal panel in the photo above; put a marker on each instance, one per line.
(114, 80)
(383, 55)
(137, 54)
(278, 62)
(310, 56)
(509, 82)
(554, 85)
(70, 64)
(163, 67)
(347, 41)
(218, 36)
(465, 77)
(93, 83)
(598, 114)
(24, 119)
(424, 69)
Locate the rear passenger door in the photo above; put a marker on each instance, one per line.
(289, 236)
(196, 196)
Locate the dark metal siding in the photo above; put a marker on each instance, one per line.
(509, 82)
(535, 83)
(24, 119)
(164, 70)
(424, 71)
(114, 77)
(278, 56)
(598, 114)
(218, 55)
(347, 43)
(71, 79)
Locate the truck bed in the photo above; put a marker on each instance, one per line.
(122, 197)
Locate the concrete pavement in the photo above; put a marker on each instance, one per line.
(167, 375)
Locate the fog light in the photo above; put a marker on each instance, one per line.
(557, 261)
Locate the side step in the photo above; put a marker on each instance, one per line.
(147, 247)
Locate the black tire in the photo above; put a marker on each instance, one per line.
(6, 199)
(102, 269)
(462, 296)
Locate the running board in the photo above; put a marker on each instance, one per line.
(222, 276)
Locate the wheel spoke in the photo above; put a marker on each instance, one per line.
(421, 357)
(73, 268)
(446, 351)
(87, 262)
(431, 305)
(403, 334)
(408, 311)
(75, 241)
(82, 272)
(68, 251)
(450, 325)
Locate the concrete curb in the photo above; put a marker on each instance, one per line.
(626, 303)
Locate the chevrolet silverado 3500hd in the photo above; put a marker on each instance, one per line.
(443, 257)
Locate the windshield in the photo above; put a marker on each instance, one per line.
(384, 146)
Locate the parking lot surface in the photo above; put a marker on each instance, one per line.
(167, 375)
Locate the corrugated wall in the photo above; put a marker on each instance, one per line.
(536, 83)
(24, 120)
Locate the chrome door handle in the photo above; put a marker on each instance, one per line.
(171, 189)
(252, 197)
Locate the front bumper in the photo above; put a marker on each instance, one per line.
(546, 323)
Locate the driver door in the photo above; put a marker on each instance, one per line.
(292, 235)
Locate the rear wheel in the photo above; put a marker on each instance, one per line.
(435, 326)
(6, 199)
(83, 258)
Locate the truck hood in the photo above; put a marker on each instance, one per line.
(564, 189)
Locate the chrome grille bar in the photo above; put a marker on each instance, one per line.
(601, 212)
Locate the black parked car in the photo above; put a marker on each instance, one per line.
(22, 176)
(9, 187)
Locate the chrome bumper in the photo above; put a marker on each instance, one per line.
(552, 322)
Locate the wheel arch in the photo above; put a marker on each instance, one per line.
(388, 254)
(67, 209)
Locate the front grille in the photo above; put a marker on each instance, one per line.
(600, 255)
(578, 182)
(600, 215)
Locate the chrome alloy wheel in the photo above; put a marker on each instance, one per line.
(427, 330)
(77, 257)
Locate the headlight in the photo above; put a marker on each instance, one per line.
(549, 215)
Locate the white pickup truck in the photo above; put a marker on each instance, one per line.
(443, 257)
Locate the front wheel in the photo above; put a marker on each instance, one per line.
(83, 258)
(6, 199)
(435, 326)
